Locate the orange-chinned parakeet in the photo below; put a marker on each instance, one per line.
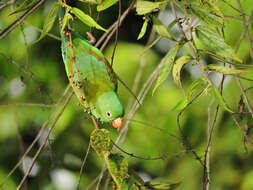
(91, 76)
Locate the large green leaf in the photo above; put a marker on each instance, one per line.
(205, 16)
(177, 67)
(144, 7)
(215, 43)
(49, 22)
(86, 19)
(167, 62)
(106, 4)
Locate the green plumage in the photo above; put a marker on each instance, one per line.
(91, 76)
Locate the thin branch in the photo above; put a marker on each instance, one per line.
(149, 158)
(19, 20)
(184, 138)
(117, 34)
(246, 28)
(37, 137)
(243, 131)
(26, 105)
(45, 140)
(82, 167)
(112, 28)
(115, 28)
(3, 5)
(40, 30)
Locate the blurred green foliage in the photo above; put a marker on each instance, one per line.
(35, 74)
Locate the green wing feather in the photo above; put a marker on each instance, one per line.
(90, 74)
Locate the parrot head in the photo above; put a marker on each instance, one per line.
(109, 109)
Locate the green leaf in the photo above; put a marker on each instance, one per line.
(205, 16)
(151, 45)
(177, 67)
(225, 70)
(161, 29)
(144, 7)
(166, 64)
(220, 99)
(49, 22)
(143, 29)
(215, 43)
(86, 19)
(196, 87)
(66, 17)
(106, 4)
(24, 6)
(181, 104)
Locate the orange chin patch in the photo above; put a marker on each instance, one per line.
(117, 123)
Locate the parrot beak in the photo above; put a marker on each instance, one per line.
(117, 123)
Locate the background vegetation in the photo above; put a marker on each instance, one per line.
(209, 148)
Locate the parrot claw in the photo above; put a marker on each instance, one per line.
(117, 123)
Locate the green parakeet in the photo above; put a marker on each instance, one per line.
(91, 76)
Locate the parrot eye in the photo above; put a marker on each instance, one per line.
(108, 114)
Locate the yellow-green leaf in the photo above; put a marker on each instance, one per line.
(143, 29)
(225, 70)
(220, 99)
(177, 67)
(49, 22)
(86, 19)
(144, 7)
(106, 4)
(166, 65)
(205, 16)
(161, 29)
(215, 43)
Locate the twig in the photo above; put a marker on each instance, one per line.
(11, 2)
(123, 16)
(82, 167)
(37, 137)
(101, 177)
(19, 20)
(115, 28)
(45, 140)
(151, 126)
(206, 178)
(40, 30)
(149, 158)
(243, 131)
(26, 104)
(184, 138)
(246, 28)
(117, 34)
